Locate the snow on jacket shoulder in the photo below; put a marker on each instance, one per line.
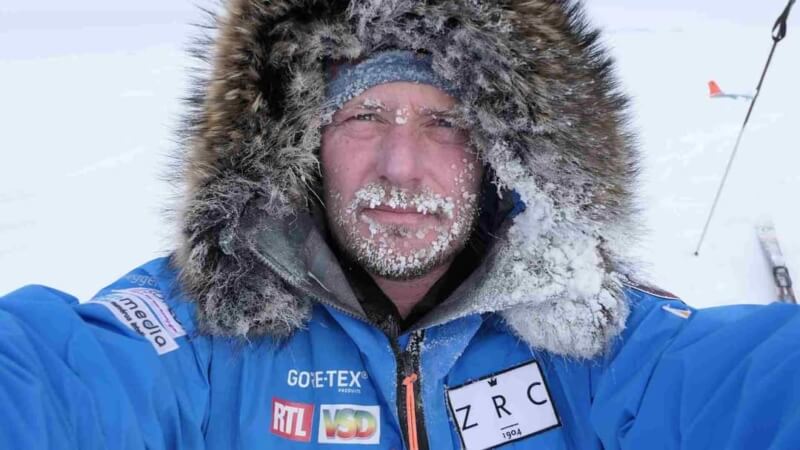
(128, 370)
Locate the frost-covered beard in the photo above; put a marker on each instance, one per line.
(398, 251)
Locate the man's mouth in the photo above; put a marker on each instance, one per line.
(397, 216)
(395, 210)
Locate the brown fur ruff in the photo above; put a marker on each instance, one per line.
(539, 98)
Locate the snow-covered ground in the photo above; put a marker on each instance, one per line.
(667, 52)
(90, 91)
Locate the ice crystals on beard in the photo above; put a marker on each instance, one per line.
(382, 253)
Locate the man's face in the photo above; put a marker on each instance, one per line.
(400, 183)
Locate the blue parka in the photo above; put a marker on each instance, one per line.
(250, 336)
(81, 376)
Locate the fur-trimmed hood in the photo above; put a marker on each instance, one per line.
(543, 109)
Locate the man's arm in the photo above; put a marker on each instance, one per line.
(723, 378)
(76, 376)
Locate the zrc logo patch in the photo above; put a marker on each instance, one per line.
(503, 407)
(292, 420)
(349, 424)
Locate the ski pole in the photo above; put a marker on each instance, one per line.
(778, 33)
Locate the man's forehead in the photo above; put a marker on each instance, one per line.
(417, 98)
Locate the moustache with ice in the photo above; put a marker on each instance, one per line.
(381, 253)
(424, 202)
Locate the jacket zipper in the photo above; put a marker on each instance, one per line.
(409, 409)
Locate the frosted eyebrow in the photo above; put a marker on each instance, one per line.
(372, 107)
(437, 112)
(362, 108)
(369, 105)
(376, 108)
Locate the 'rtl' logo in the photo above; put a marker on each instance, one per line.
(292, 420)
(352, 424)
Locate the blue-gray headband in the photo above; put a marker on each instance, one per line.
(346, 80)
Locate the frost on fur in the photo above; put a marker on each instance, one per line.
(544, 112)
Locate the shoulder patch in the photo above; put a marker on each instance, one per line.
(144, 311)
(680, 312)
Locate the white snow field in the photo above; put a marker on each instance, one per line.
(90, 93)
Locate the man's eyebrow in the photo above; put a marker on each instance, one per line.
(357, 109)
(369, 104)
(448, 112)
(375, 105)
(369, 107)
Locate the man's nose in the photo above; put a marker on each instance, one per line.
(400, 157)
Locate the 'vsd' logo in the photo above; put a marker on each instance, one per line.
(292, 420)
(349, 424)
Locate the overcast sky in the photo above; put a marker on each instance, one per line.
(102, 26)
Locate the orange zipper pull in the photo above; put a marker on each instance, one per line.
(411, 412)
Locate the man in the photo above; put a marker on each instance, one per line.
(404, 226)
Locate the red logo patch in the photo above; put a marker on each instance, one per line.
(292, 420)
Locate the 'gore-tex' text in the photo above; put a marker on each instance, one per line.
(326, 378)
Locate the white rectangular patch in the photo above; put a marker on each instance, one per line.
(134, 312)
(349, 424)
(682, 313)
(502, 407)
(156, 303)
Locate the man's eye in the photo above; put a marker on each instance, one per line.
(365, 117)
(445, 131)
(362, 125)
(442, 122)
